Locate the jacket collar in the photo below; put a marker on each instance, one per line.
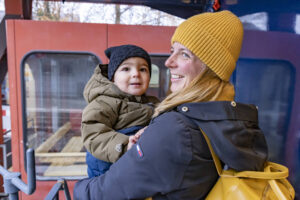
(219, 110)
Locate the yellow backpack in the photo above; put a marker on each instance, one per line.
(269, 184)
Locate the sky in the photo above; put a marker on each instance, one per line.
(133, 16)
(88, 11)
(105, 13)
(1, 9)
(2, 5)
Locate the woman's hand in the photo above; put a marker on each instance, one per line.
(134, 138)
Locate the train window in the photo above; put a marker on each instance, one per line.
(96, 12)
(159, 83)
(2, 10)
(269, 84)
(52, 88)
(255, 21)
(154, 81)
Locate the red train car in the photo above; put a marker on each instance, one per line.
(50, 62)
(47, 74)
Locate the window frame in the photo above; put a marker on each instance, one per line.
(24, 105)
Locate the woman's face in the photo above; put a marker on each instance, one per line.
(184, 66)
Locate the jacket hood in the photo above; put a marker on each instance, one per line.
(233, 131)
(99, 85)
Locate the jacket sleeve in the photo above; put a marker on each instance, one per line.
(155, 165)
(98, 136)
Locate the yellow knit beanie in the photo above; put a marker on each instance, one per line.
(215, 38)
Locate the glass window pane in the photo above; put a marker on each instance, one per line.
(269, 84)
(2, 10)
(159, 83)
(53, 85)
(154, 81)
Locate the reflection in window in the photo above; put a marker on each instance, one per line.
(297, 24)
(2, 10)
(96, 12)
(255, 21)
(268, 84)
(53, 84)
(159, 83)
(154, 81)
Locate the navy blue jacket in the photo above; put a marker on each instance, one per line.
(172, 160)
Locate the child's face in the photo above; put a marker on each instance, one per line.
(132, 76)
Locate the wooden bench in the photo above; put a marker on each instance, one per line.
(63, 163)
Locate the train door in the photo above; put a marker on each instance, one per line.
(267, 75)
(49, 64)
(47, 114)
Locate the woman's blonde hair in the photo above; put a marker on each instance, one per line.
(207, 86)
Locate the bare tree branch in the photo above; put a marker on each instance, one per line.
(101, 13)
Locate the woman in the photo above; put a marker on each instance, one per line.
(172, 160)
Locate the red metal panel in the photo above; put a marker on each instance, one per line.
(41, 35)
(13, 7)
(13, 86)
(155, 39)
(24, 36)
(14, 95)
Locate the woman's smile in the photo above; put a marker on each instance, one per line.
(176, 76)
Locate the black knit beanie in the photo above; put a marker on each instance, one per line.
(118, 54)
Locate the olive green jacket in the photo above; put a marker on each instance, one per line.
(109, 109)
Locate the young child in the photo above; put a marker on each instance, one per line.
(117, 106)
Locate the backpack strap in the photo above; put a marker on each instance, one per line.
(277, 189)
(214, 155)
(271, 171)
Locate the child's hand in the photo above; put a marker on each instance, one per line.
(134, 138)
(139, 133)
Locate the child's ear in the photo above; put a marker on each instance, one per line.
(104, 69)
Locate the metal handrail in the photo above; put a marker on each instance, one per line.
(4, 152)
(60, 185)
(13, 182)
